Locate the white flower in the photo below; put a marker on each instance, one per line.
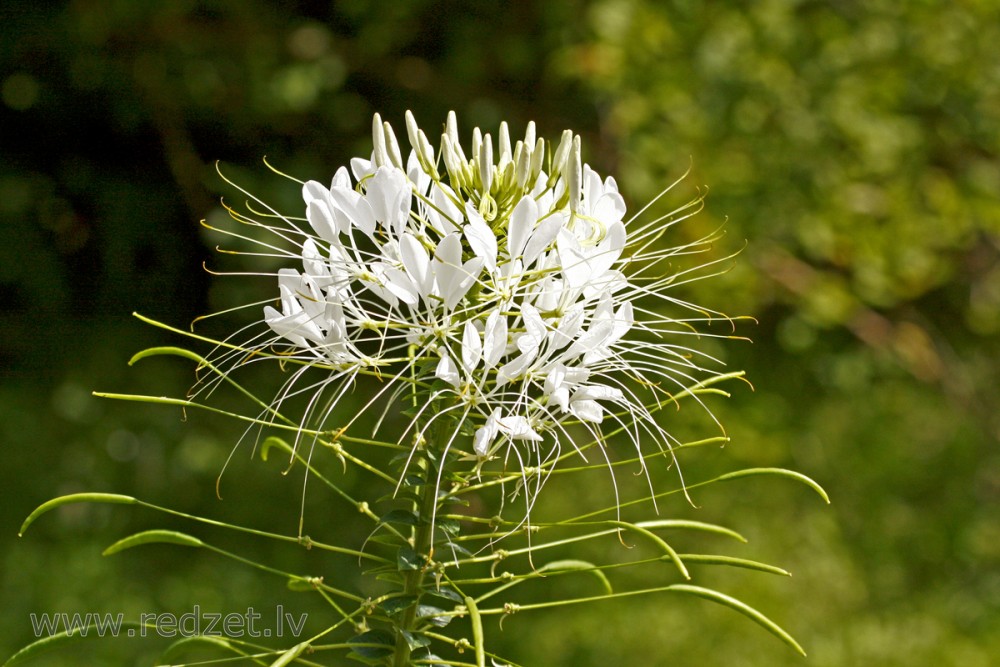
(491, 286)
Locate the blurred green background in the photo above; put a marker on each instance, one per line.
(851, 148)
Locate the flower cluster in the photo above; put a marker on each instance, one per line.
(498, 279)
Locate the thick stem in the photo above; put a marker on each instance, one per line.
(413, 580)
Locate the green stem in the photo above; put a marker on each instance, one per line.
(413, 580)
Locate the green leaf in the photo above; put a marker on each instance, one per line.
(393, 606)
(384, 537)
(392, 577)
(742, 608)
(446, 594)
(153, 537)
(434, 615)
(401, 517)
(414, 640)
(407, 559)
(449, 526)
(372, 645)
(778, 472)
(112, 498)
(456, 549)
(60, 639)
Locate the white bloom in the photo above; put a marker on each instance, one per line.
(494, 285)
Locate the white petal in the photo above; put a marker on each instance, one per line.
(315, 265)
(609, 208)
(401, 285)
(569, 327)
(588, 411)
(445, 215)
(314, 190)
(448, 371)
(486, 434)
(389, 195)
(624, 319)
(516, 367)
(535, 329)
(608, 251)
(597, 392)
(494, 338)
(417, 263)
(522, 223)
(320, 217)
(481, 238)
(594, 338)
(341, 179)
(573, 260)
(421, 180)
(543, 235)
(517, 427)
(356, 208)
(453, 279)
(285, 326)
(472, 346)
(362, 168)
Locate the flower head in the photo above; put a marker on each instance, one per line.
(503, 284)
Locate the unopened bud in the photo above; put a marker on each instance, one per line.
(392, 146)
(378, 141)
(486, 162)
(503, 143)
(575, 176)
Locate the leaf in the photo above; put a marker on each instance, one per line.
(408, 560)
(446, 593)
(434, 615)
(742, 608)
(372, 645)
(401, 517)
(449, 526)
(393, 606)
(112, 498)
(63, 638)
(385, 538)
(414, 640)
(153, 537)
(456, 549)
(779, 472)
